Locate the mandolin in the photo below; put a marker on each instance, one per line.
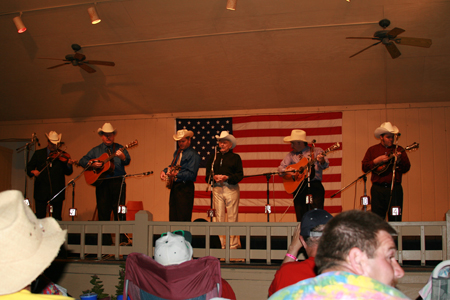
(291, 182)
(93, 174)
(383, 167)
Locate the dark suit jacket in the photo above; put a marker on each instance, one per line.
(52, 178)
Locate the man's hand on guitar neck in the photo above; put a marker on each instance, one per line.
(120, 155)
(321, 158)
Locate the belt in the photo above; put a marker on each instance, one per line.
(386, 185)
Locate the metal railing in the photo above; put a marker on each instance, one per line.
(261, 242)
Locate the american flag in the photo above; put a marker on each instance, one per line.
(261, 147)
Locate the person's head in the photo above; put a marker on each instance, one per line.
(107, 133)
(312, 226)
(226, 141)
(361, 243)
(297, 139)
(27, 246)
(173, 248)
(183, 138)
(386, 133)
(53, 139)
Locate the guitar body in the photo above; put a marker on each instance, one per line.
(171, 179)
(291, 182)
(92, 175)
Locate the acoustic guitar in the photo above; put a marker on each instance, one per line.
(383, 167)
(300, 170)
(93, 174)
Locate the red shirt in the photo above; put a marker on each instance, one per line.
(227, 290)
(292, 272)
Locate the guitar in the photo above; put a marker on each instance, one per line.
(383, 167)
(93, 174)
(291, 182)
(174, 169)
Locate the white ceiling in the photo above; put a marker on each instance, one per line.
(179, 56)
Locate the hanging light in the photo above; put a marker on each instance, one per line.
(19, 24)
(93, 15)
(231, 4)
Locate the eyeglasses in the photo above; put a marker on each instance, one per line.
(178, 232)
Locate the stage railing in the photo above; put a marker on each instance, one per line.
(261, 242)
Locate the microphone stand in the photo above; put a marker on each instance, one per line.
(267, 209)
(394, 166)
(211, 212)
(27, 147)
(71, 182)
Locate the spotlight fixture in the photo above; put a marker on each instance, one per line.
(231, 4)
(93, 15)
(19, 24)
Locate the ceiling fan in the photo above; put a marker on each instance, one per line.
(79, 59)
(390, 37)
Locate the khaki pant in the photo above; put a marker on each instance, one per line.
(227, 196)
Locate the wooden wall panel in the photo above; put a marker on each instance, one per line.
(5, 168)
(426, 186)
(412, 181)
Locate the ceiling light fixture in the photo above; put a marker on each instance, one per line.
(19, 24)
(93, 15)
(231, 4)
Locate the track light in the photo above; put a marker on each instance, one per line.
(231, 4)
(93, 15)
(19, 24)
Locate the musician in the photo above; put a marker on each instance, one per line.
(49, 170)
(108, 190)
(181, 200)
(300, 149)
(224, 171)
(381, 183)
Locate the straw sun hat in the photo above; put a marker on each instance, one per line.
(27, 246)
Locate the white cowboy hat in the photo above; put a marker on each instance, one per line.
(106, 128)
(386, 127)
(27, 246)
(183, 133)
(296, 135)
(224, 135)
(53, 137)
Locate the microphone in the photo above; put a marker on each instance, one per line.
(399, 134)
(313, 141)
(36, 138)
(148, 173)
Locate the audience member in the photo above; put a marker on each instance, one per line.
(356, 259)
(175, 248)
(27, 247)
(307, 234)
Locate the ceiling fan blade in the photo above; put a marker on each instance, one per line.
(418, 42)
(79, 56)
(86, 68)
(59, 65)
(361, 38)
(365, 49)
(396, 31)
(51, 58)
(99, 62)
(393, 50)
